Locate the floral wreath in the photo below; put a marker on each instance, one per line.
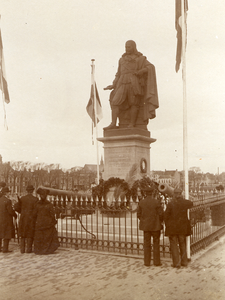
(140, 185)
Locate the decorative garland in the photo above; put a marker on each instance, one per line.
(103, 188)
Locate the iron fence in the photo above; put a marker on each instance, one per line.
(98, 225)
(208, 220)
(113, 226)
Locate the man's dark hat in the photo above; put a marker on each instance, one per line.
(41, 191)
(5, 190)
(30, 187)
(2, 184)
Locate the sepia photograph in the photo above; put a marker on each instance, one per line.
(112, 149)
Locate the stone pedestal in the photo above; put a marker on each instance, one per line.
(123, 148)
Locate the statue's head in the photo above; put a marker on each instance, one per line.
(130, 47)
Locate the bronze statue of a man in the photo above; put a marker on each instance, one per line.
(134, 96)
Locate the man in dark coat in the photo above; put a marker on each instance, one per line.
(7, 230)
(150, 213)
(178, 227)
(25, 206)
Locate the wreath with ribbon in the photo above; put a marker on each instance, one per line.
(139, 185)
(103, 188)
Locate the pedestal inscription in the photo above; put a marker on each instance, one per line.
(123, 149)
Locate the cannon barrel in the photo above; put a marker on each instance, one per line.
(63, 210)
(64, 193)
(165, 189)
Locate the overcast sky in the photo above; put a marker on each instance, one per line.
(48, 47)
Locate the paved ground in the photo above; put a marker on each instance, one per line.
(76, 274)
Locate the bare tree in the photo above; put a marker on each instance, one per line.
(53, 173)
(20, 170)
(39, 174)
(6, 171)
(195, 169)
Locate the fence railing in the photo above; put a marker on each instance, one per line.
(95, 225)
(208, 220)
(113, 226)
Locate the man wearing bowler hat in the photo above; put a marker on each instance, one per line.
(25, 206)
(150, 214)
(7, 213)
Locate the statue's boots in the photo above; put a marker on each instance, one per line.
(115, 114)
(111, 126)
(133, 116)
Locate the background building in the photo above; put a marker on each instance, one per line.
(18, 175)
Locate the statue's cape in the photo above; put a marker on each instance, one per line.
(151, 102)
(148, 83)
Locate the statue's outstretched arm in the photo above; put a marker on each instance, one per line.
(109, 87)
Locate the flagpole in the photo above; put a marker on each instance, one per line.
(185, 138)
(1, 79)
(185, 135)
(95, 114)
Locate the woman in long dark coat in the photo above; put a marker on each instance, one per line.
(45, 236)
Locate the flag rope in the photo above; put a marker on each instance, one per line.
(95, 116)
(5, 120)
(3, 82)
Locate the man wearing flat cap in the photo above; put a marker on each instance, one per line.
(25, 206)
(150, 214)
(7, 213)
(178, 227)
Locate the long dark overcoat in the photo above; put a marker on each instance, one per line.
(25, 206)
(149, 213)
(46, 236)
(176, 219)
(7, 230)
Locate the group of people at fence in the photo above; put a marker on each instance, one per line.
(151, 214)
(38, 219)
(36, 231)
